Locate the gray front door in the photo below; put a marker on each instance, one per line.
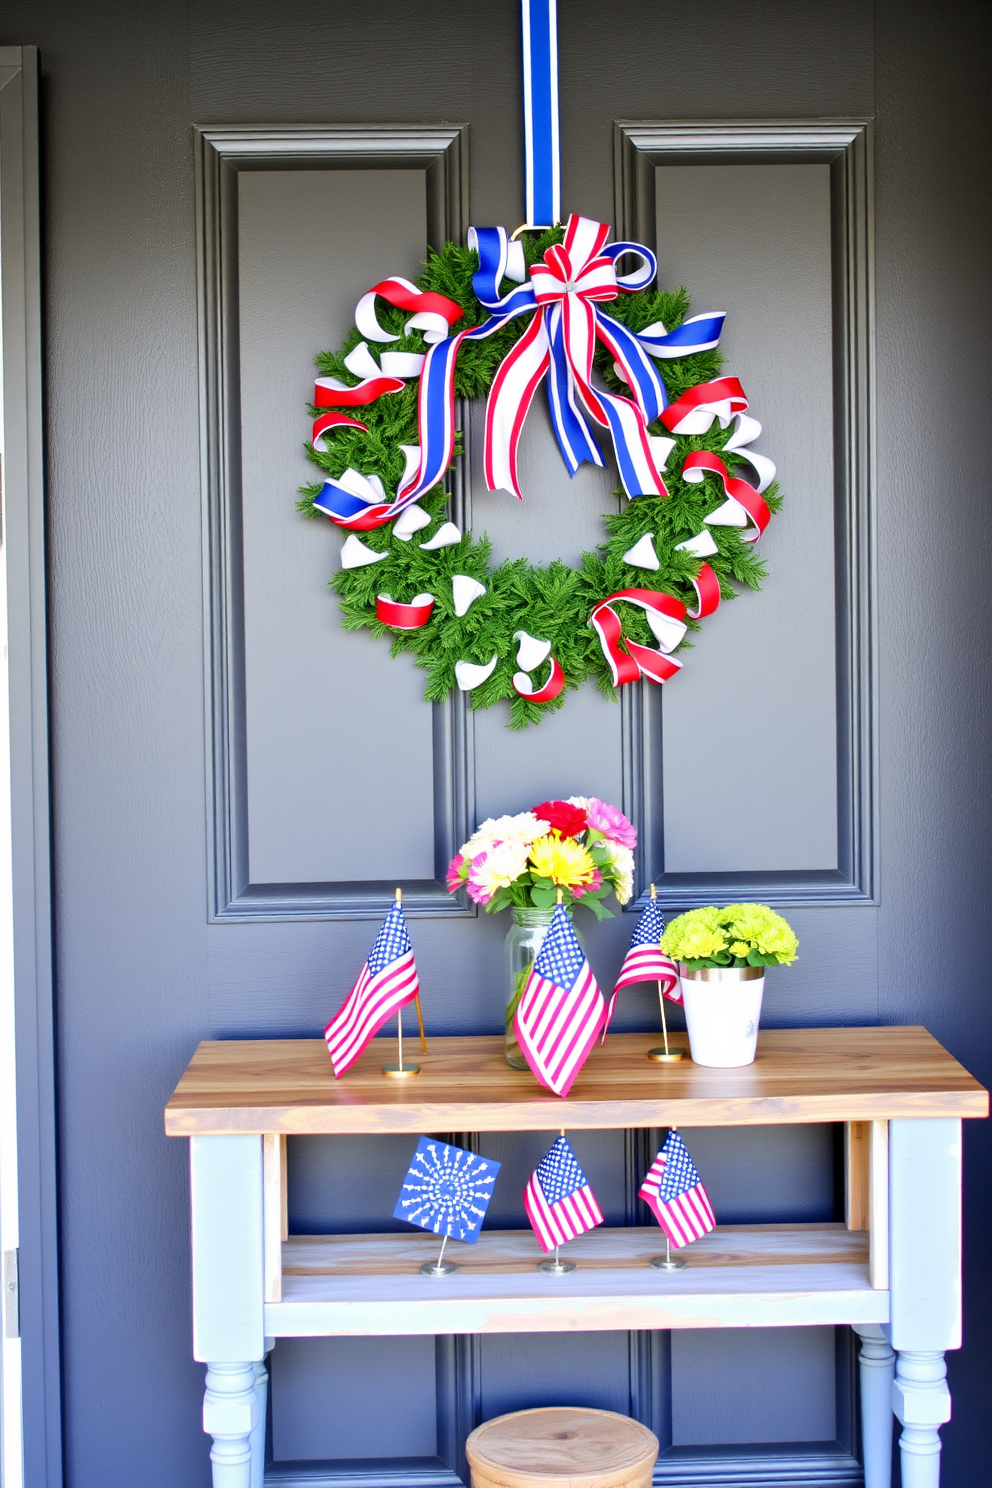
(221, 866)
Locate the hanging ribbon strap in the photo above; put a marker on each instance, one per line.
(541, 143)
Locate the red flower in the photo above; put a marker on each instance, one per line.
(561, 817)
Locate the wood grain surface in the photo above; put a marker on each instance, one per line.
(517, 1251)
(800, 1075)
(739, 1276)
(576, 1447)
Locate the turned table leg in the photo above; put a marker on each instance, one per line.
(877, 1366)
(230, 1413)
(922, 1402)
(925, 1284)
(258, 1434)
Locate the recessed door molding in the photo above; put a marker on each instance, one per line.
(846, 147)
(222, 153)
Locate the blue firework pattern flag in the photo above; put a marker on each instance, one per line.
(447, 1190)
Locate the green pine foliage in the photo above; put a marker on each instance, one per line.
(552, 602)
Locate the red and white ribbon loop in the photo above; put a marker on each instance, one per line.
(707, 587)
(404, 616)
(531, 654)
(665, 615)
(331, 392)
(744, 507)
(433, 314)
(695, 411)
(362, 363)
(328, 421)
(747, 431)
(524, 687)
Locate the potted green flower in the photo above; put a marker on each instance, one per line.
(722, 955)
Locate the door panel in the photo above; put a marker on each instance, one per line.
(350, 1397)
(319, 799)
(767, 1174)
(310, 728)
(753, 1385)
(346, 1185)
(589, 1369)
(757, 699)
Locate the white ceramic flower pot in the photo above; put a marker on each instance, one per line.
(722, 1012)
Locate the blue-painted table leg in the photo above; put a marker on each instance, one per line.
(877, 1368)
(925, 1281)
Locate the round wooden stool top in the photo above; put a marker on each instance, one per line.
(564, 1446)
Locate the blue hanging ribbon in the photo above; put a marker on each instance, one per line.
(541, 139)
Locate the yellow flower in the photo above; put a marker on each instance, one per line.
(740, 948)
(563, 860)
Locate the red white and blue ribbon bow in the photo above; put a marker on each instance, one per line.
(562, 298)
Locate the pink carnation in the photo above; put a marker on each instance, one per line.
(594, 883)
(456, 877)
(612, 823)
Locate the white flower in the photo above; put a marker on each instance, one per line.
(524, 828)
(619, 869)
(581, 801)
(501, 867)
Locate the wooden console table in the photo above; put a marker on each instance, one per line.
(892, 1271)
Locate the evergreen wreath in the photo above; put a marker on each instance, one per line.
(554, 602)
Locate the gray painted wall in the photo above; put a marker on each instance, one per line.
(141, 976)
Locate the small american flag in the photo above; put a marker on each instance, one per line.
(558, 1200)
(561, 1009)
(645, 961)
(675, 1194)
(385, 983)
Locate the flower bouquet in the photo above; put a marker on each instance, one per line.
(723, 954)
(581, 849)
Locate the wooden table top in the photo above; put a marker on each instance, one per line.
(465, 1085)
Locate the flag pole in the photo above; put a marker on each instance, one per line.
(665, 1055)
(665, 1263)
(555, 1266)
(399, 1070)
(440, 1267)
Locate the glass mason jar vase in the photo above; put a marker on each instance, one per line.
(523, 941)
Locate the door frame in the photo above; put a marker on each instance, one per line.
(30, 896)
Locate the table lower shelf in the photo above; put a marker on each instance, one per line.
(740, 1276)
